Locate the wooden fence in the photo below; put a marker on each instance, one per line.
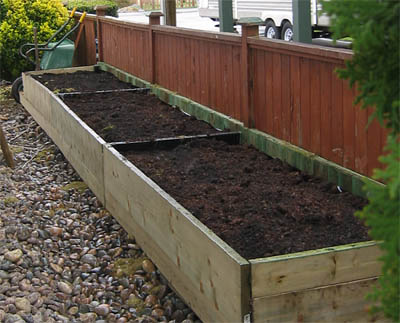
(287, 90)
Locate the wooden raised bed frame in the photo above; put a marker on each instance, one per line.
(329, 284)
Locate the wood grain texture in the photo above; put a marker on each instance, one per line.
(316, 268)
(207, 273)
(80, 145)
(335, 303)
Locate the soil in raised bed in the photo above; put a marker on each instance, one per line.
(81, 81)
(260, 206)
(134, 116)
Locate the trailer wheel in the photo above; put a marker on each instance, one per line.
(271, 31)
(16, 87)
(287, 31)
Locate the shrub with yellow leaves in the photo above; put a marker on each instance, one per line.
(17, 20)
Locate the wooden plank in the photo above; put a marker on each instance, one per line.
(286, 108)
(348, 127)
(374, 144)
(295, 96)
(316, 268)
(186, 72)
(277, 95)
(259, 90)
(82, 146)
(227, 79)
(337, 121)
(326, 110)
(269, 99)
(315, 107)
(204, 73)
(237, 81)
(193, 259)
(213, 75)
(300, 49)
(175, 62)
(335, 303)
(219, 104)
(361, 143)
(305, 124)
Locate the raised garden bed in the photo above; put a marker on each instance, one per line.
(326, 284)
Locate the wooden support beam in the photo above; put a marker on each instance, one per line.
(6, 149)
(249, 29)
(154, 20)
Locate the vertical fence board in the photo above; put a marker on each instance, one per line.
(348, 127)
(220, 80)
(326, 110)
(315, 106)
(213, 75)
(305, 104)
(237, 81)
(286, 110)
(295, 95)
(187, 67)
(277, 94)
(269, 99)
(361, 139)
(259, 90)
(337, 121)
(204, 73)
(374, 144)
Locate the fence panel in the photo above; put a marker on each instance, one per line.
(197, 66)
(298, 98)
(126, 46)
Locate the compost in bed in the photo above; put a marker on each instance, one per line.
(81, 81)
(260, 206)
(133, 116)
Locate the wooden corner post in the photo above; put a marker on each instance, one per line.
(249, 29)
(100, 12)
(154, 20)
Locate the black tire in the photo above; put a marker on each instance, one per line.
(271, 31)
(287, 31)
(17, 86)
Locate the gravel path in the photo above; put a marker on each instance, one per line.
(63, 258)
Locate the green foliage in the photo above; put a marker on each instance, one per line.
(382, 215)
(89, 6)
(17, 19)
(375, 28)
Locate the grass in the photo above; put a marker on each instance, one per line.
(79, 186)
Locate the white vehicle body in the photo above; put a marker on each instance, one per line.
(279, 12)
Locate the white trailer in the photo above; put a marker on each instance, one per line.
(277, 15)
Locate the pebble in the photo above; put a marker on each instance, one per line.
(59, 250)
(23, 304)
(148, 266)
(13, 255)
(102, 310)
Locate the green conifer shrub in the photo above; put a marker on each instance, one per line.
(374, 26)
(17, 19)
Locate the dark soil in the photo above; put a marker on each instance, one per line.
(132, 116)
(81, 82)
(260, 206)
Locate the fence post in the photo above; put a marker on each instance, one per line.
(154, 20)
(100, 12)
(249, 29)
